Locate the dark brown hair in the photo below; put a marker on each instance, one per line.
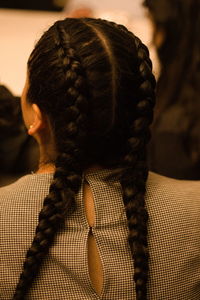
(93, 79)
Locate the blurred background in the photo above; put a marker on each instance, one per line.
(22, 22)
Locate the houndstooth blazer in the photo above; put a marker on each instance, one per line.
(173, 239)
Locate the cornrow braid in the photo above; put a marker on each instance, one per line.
(68, 173)
(101, 86)
(134, 179)
(134, 171)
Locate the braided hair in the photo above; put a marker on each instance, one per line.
(93, 80)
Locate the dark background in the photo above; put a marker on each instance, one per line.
(49, 5)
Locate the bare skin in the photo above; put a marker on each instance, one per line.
(94, 260)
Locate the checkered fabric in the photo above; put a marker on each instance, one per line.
(174, 241)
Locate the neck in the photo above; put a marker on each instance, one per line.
(45, 168)
(47, 158)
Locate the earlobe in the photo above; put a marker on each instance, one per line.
(39, 120)
(30, 131)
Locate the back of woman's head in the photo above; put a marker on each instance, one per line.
(88, 71)
(93, 80)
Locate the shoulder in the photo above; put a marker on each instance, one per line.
(32, 181)
(172, 195)
(20, 204)
(159, 182)
(28, 189)
(173, 236)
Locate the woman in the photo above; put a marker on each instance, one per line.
(88, 101)
(175, 145)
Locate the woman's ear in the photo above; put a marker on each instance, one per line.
(39, 120)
